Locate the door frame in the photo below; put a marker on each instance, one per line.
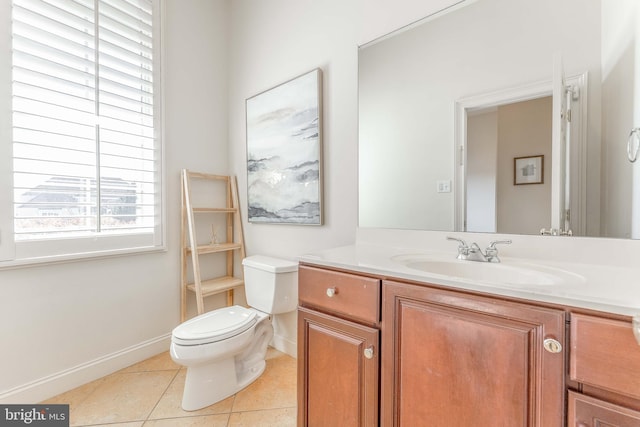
(517, 94)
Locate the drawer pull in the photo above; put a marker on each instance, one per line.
(368, 352)
(552, 345)
(636, 327)
(331, 291)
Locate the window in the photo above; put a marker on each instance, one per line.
(86, 152)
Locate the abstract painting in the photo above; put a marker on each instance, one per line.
(284, 152)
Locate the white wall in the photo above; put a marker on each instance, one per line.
(65, 324)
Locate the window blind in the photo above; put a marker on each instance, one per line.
(85, 149)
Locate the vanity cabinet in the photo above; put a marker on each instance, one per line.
(604, 373)
(454, 359)
(379, 351)
(338, 348)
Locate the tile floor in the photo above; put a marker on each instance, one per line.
(149, 394)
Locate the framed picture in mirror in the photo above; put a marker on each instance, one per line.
(528, 170)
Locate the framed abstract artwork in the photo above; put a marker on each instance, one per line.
(284, 152)
(528, 170)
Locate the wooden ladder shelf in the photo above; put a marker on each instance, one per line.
(194, 246)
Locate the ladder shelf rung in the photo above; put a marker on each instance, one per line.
(201, 175)
(214, 210)
(216, 286)
(220, 247)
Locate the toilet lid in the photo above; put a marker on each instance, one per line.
(215, 326)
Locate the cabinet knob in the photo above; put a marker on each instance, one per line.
(552, 345)
(368, 352)
(332, 291)
(636, 327)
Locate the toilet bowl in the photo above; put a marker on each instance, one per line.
(224, 350)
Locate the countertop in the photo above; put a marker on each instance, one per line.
(611, 289)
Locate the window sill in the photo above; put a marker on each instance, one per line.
(84, 256)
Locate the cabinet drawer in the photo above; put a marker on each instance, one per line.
(344, 294)
(585, 411)
(604, 353)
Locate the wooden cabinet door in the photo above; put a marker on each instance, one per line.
(453, 359)
(338, 371)
(585, 411)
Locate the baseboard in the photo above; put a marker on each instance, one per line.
(285, 345)
(55, 384)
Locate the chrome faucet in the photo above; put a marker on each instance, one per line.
(474, 253)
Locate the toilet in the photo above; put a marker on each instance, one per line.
(224, 350)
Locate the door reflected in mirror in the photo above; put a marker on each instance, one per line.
(500, 140)
(427, 118)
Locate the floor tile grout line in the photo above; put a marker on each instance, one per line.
(264, 409)
(145, 371)
(235, 396)
(177, 417)
(175, 375)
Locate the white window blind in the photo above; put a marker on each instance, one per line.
(86, 150)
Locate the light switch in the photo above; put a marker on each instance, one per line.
(444, 186)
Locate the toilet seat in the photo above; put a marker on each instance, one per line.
(215, 326)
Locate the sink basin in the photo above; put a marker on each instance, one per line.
(514, 274)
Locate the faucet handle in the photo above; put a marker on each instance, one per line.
(461, 242)
(493, 244)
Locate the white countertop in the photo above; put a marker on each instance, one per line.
(612, 289)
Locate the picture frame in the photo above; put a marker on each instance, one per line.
(284, 152)
(528, 170)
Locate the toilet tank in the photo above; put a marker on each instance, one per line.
(271, 284)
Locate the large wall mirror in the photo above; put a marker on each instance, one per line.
(505, 116)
